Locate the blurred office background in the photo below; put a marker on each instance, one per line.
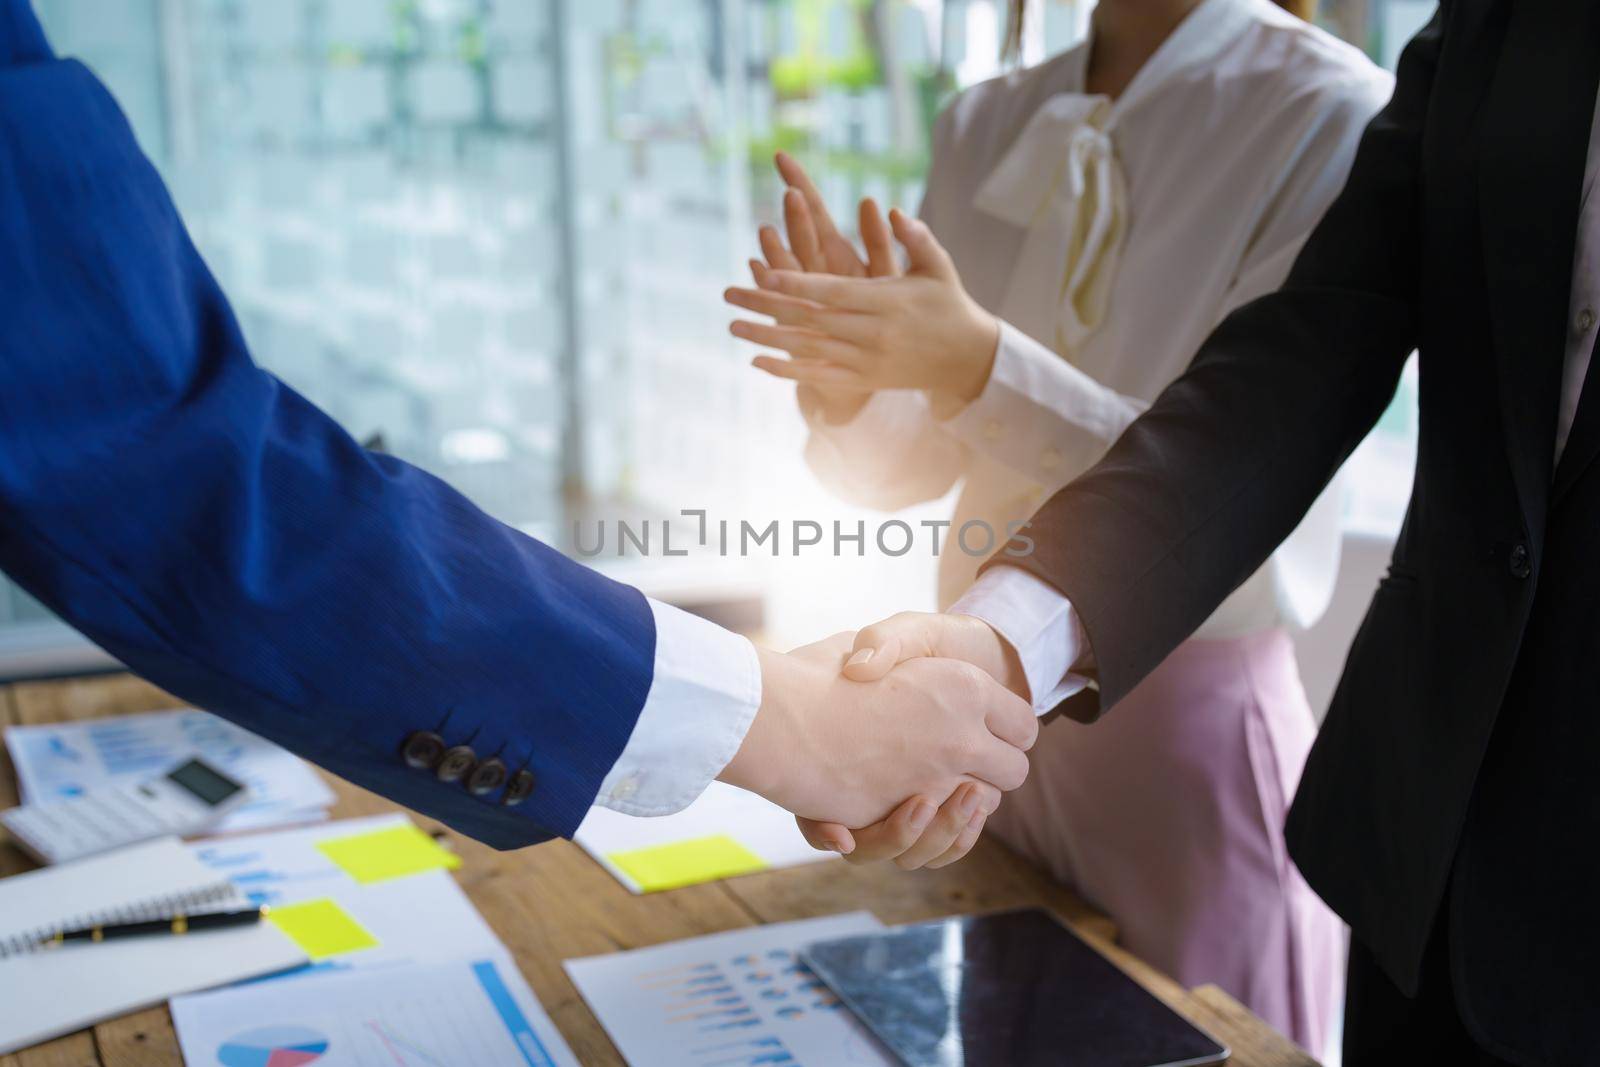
(495, 233)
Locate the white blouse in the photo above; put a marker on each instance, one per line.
(1110, 237)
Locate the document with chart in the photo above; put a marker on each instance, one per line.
(357, 893)
(466, 1014)
(736, 999)
(404, 972)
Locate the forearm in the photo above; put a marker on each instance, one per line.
(226, 539)
(1205, 485)
(889, 455)
(339, 622)
(765, 760)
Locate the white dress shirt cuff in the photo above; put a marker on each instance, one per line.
(1039, 623)
(1040, 415)
(705, 694)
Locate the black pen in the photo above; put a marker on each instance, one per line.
(179, 923)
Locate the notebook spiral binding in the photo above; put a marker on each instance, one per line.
(159, 908)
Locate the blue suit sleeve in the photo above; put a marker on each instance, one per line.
(226, 539)
(21, 38)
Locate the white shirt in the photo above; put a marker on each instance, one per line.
(1040, 623)
(1110, 237)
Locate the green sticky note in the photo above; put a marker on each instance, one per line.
(391, 853)
(700, 859)
(321, 928)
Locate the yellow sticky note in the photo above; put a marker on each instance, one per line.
(321, 928)
(701, 859)
(391, 853)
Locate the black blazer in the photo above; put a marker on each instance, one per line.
(1462, 749)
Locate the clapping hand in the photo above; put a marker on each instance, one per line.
(853, 325)
(815, 245)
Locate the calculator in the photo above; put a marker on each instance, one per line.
(187, 800)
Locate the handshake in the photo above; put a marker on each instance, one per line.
(908, 731)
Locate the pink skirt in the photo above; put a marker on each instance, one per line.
(1168, 815)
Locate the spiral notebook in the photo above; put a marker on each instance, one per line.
(53, 991)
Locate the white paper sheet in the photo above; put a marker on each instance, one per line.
(470, 1013)
(756, 823)
(64, 759)
(420, 918)
(736, 999)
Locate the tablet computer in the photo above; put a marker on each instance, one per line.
(1009, 990)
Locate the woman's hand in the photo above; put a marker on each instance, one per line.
(918, 331)
(816, 245)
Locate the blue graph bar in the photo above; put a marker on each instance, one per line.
(511, 1015)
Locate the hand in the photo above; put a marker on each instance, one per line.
(832, 749)
(917, 835)
(918, 331)
(816, 245)
(920, 833)
(879, 648)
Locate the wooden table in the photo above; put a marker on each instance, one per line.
(553, 903)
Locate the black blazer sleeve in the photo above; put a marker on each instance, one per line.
(1205, 485)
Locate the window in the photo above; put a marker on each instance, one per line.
(493, 234)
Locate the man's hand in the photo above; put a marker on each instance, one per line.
(829, 748)
(921, 832)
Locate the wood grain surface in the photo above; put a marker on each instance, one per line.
(552, 903)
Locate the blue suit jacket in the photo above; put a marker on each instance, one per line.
(227, 540)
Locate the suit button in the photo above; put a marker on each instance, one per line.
(455, 763)
(422, 750)
(519, 789)
(1521, 562)
(486, 777)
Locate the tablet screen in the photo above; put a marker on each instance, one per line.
(1004, 990)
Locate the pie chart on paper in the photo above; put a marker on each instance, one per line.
(273, 1046)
